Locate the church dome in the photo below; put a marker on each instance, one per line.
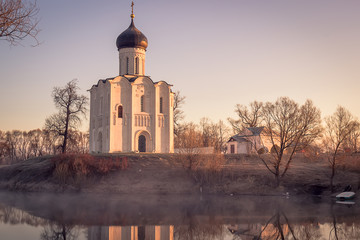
(132, 38)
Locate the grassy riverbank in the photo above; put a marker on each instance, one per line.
(172, 173)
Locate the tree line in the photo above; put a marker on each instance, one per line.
(16, 145)
(59, 135)
(290, 127)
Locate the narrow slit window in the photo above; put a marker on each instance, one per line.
(120, 66)
(101, 106)
(142, 107)
(127, 65)
(143, 66)
(161, 105)
(120, 111)
(136, 65)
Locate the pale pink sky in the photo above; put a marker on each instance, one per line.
(217, 53)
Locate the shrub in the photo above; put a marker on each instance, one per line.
(72, 168)
(204, 168)
(261, 151)
(349, 162)
(190, 161)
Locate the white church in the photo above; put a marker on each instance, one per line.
(131, 112)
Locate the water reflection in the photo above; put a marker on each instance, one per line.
(269, 231)
(56, 231)
(131, 233)
(79, 217)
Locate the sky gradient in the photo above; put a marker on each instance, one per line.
(216, 53)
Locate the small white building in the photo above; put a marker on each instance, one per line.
(246, 142)
(131, 112)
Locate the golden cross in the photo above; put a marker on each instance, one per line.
(132, 7)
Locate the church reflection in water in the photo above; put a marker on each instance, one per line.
(131, 233)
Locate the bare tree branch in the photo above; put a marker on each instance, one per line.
(339, 127)
(290, 128)
(71, 106)
(248, 117)
(18, 20)
(178, 112)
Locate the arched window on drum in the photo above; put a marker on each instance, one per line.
(136, 65)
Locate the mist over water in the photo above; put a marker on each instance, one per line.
(130, 217)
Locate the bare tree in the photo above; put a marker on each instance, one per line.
(189, 141)
(193, 136)
(222, 136)
(19, 145)
(36, 138)
(353, 139)
(13, 141)
(213, 134)
(291, 128)
(178, 112)
(189, 138)
(71, 106)
(59, 231)
(4, 148)
(339, 128)
(208, 132)
(248, 117)
(50, 139)
(79, 142)
(18, 20)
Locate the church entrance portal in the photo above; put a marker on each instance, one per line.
(142, 143)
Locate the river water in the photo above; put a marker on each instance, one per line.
(174, 217)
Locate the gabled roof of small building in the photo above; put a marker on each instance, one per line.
(238, 138)
(242, 137)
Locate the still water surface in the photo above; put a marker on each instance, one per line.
(169, 217)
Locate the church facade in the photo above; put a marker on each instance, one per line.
(131, 112)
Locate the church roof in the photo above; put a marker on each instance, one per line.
(130, 78)
(131, 38)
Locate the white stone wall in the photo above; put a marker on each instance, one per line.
(163, 120)
(109, 133)
(143, 121)
(120, 128)
(99, 117)
(243, 148)
(229, 147)
(131, 54)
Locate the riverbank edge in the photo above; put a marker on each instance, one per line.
(163, 174)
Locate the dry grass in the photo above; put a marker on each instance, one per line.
(75, 168)
(349, 163)
(204, 168)
(182, 173)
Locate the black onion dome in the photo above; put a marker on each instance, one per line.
(131, 38)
